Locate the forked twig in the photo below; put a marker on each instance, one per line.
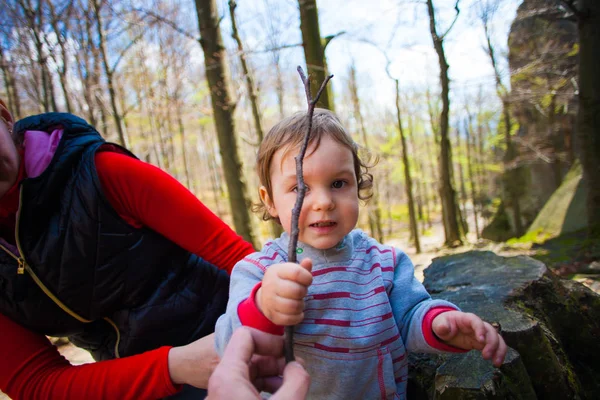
(289, 330)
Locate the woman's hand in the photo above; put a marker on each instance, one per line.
(467, 331)
(281, 295)
(254, 362)
(194, 363)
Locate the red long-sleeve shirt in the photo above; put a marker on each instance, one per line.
(143, 195)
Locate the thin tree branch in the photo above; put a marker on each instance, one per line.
(329, 38)
(295, 231)
(272, 49)
(125, 50)
(453, 22)
(173, 25)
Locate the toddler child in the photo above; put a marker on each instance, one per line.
(356, 303)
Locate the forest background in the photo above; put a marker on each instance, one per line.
(484, 114)
(474, 108)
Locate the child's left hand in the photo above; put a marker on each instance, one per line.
(467, 331)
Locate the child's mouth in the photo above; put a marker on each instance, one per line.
(323, 224)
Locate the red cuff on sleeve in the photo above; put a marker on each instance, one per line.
(251, 316)
(430, 337)
(163, 353)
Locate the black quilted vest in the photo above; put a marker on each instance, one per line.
(129, 290)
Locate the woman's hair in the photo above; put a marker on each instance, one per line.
(289, 133)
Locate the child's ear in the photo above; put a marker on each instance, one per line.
(266, 199)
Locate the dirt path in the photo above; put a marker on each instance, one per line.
(432, 245)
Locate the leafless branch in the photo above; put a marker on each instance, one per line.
(329, 38)
(172, 24)
(276, 48)
(125, 50)
(453, 22)
(295, 231)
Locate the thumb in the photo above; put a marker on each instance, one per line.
(442, 329)
(307, 264)
(296, 382)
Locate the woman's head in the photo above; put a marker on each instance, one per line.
(287, 136)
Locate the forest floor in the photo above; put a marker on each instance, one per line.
(571, 256)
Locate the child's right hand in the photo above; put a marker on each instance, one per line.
(281, 296)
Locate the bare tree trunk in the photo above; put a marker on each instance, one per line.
(108, 71)
(314, 51)
(94, 80)
(433, 164)
(34, 19)
(170, 154)
(103, 116)
(433, 119)
(433, 168)
(65, 90)
(588, 118)
(422, 202)
(157, 145)
(388, 202)
(213, 172)
(447, 193)
(274, 42)
(463, 192)
(51, 94)
(249, 81)
(276, 228)
(163, 115)
(13, 102)
(512, 181)
(223, 107)
(84, 66)
(408, 181)
(471, 180)
(182, 139)
(373, 210)
(480, 171)
(556, 142)
(61, 38)
(279, 88)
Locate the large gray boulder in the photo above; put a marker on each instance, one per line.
(552, 326)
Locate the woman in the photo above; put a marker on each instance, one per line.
(111, 252)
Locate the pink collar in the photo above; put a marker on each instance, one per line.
(39, 149)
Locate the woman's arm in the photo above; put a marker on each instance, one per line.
(144, 195)
(32, 368)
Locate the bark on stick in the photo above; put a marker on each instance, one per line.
(289, 330)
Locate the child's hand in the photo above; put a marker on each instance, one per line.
(281, 296)
(467, 331)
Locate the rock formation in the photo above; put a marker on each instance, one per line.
(552, 326)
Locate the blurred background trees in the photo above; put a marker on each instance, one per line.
(193, 86)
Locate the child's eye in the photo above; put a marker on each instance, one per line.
(338, 184)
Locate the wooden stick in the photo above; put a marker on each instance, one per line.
(295, 231)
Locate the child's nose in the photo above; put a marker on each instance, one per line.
(322, 200)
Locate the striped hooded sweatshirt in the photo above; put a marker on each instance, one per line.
(363, 312)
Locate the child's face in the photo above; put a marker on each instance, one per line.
(330, 208)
